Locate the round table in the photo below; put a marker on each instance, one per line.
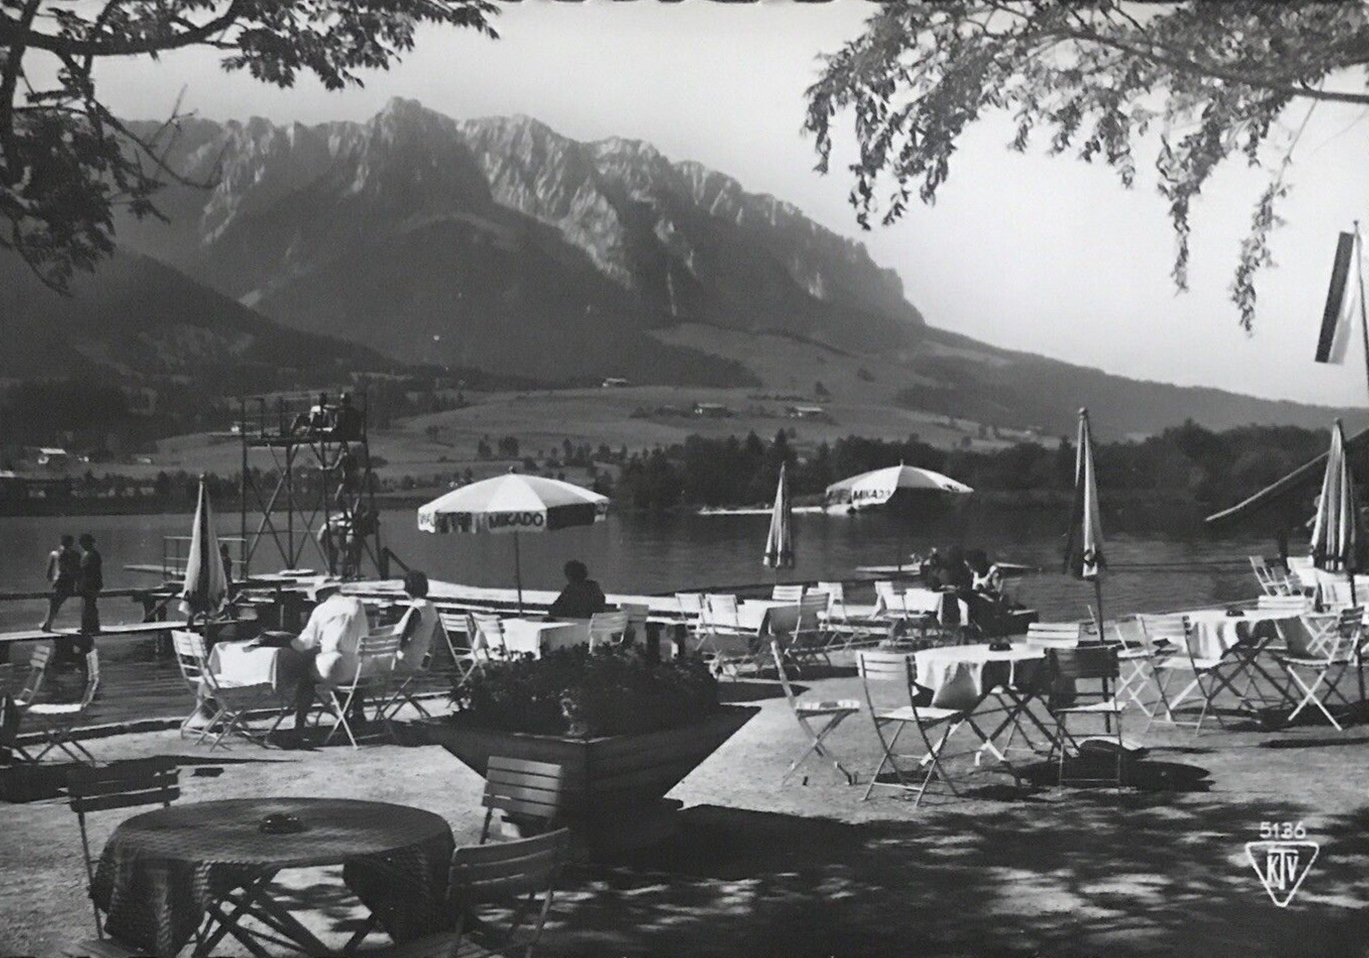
(162, 870)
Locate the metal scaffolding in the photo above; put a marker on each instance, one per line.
(315, 500)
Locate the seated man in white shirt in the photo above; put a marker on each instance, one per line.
(331, 639)
(422, 627)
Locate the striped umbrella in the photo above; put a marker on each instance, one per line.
(513, 503)
(206, 585)
(779, 544)
(877, 487)
(1337, 533)
(1084, 541)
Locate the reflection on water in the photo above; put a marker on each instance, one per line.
(653, 554)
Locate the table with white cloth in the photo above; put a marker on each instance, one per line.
(536, 636)
(1215, 632)
(962, 677)
(1237, 642)
(241, 664)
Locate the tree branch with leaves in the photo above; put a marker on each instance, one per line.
(1202, 83)
(67, 162)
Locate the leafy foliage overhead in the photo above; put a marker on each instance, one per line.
(1205, 81)
(66, 161)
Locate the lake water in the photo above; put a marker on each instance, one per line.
(654, 554)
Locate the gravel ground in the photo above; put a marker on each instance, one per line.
(809, 869)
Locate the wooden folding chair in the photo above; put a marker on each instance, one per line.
(830, 713)
(1134, 660)
(845, 631)
(61, 718)
(1054, 635)
(191, 662)
(726, 644)
(486, 631)
(607, 629)
(1265, 577)
(232, 703)
(519, 878)
(1327, 663)
(127, 784)
(807, 643)
(1175, 632)
(888, 601)
(897, 669)
(461, 657)
(787, 593)
(637, 615)
(1075, 667)
(375, 663)
(520, 790)
(922, 611)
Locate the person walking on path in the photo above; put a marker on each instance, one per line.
(90, 582)
(64, 565)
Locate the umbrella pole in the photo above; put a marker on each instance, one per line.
(1098, 606)
(1359, 646)
(518, 572)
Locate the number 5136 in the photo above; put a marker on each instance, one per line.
(1282, 831)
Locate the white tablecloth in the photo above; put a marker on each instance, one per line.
(244, 664)
(959, 676)
(1215, 633)
(535, 636)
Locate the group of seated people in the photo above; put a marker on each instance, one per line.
(331, 638)
(341, 422)
(975, 580)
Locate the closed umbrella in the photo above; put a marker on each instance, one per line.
(513, 504)
(877, 487)
(1084, 542)
(779, 544)
(1337, 532)
(206, 583)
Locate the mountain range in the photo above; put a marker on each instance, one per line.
(500, 244)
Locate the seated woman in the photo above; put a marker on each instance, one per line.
(422, 625)
(581, 597)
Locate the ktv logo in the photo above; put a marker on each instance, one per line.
(1283, 859)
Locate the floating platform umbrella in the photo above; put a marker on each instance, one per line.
(513, 504)
(876, 488)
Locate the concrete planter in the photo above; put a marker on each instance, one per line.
(615, 786)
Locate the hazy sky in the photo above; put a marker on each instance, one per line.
(1048, 255)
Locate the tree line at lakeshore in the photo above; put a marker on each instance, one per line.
(1210, 468)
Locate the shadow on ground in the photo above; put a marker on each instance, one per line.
(1095, 874)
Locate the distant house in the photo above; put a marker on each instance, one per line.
(53, 457)
(711, 410)
(614, 382)
(807, 412)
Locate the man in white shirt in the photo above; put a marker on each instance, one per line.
(331, 639)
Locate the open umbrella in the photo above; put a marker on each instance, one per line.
(779, 544)
(1084, 541)
(206, 584)
(877, 487)
(513, 504)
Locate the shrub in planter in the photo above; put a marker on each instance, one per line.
(582, 694)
